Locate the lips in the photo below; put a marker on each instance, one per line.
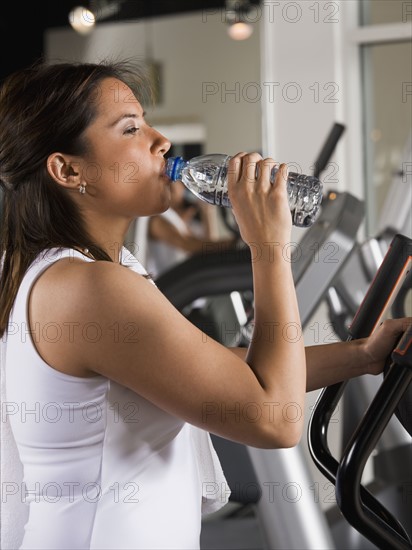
(163, 170)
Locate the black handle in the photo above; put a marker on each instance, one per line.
(384, 287)
(379, 297)
(349, 494)
(328, 148)
(326, 462)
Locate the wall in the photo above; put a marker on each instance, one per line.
(204, 71)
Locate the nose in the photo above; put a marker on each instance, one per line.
(161, 144)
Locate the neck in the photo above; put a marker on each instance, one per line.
(110, 237)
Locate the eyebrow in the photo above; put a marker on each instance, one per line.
(127, 115)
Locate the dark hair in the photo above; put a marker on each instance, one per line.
(46, 108)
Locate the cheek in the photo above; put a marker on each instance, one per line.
(128, 174)
(113, 164)
(129, 171)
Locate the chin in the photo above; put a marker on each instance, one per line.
(166, 201)
(166, 207)
(158, 204)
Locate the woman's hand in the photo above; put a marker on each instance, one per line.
(381, 343)
(330, 364)
(260, 207)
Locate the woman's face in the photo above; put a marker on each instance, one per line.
(124, 168)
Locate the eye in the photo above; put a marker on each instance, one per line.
(132, 130)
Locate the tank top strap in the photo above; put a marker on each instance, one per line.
(130, 261)
(48, 257)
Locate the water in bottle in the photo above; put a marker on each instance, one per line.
(206, 177)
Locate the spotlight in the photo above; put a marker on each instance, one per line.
(240, 30)
(239, 24)
(83, 19)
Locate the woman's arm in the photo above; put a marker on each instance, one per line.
(160, 229)
(332, 363)
(329, 364)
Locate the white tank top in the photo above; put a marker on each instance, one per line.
(103, 467)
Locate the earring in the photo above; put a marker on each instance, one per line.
(82, 189)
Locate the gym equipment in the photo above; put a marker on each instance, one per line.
(359, 506)
(343, 298)
(304, 526)
(321, 163)
(225, 272)
(360, 447)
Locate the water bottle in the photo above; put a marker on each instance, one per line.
(206, 177)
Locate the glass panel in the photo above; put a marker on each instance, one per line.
(379, 12)
(387, 88)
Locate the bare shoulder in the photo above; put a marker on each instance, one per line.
(70, 282)
(71, 300)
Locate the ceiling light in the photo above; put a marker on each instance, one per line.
(83, 19)
(240, 30)
(238, 20)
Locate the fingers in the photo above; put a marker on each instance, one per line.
(242, 170)
(254, 170)
(282, 174)
(234, 170)
(382, 341)
(265, 168)
(256, 198)
(250, 168)
(396, 326)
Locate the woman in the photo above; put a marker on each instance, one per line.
(115, 391)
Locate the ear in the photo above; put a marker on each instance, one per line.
(65, 170)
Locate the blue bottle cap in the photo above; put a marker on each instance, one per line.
(174, 166)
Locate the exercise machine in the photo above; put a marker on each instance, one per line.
(323, 263)
(384, 522)
(282, 522)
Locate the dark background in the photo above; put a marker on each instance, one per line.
(22, 24)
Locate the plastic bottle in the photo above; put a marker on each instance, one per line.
(206, 177)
